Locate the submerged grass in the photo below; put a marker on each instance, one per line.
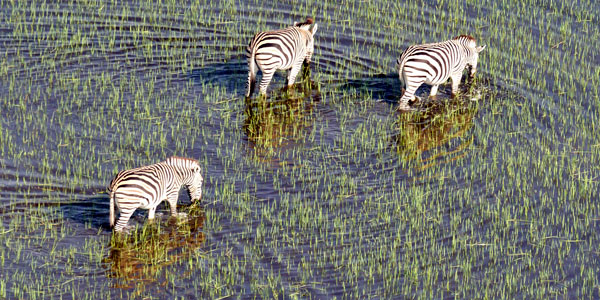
(320, 191)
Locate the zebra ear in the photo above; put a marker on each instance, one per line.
(296, 24)
(313, 29)
(480, 48)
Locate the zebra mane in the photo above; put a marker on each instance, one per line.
(466, 40)
(464, 36)
(308, 21)
(175, 159)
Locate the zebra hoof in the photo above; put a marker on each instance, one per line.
(125, 230)
(181, 218)
(405, 107)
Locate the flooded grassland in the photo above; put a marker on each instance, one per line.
(320, 191)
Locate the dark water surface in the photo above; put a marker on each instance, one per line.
(320, 191)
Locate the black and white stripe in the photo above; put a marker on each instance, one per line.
(279, 50)
(146, 187)
(434, 63)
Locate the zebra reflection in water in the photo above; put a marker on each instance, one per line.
(139, 259)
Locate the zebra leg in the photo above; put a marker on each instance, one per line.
(409, 94)
(455, 82)
(124, 218)
(293, 73)
(434, 90)
(173, 205)
(151, 213)
(266, 79)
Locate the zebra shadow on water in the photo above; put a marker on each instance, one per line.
(91, 212)
(231, 75)
(382, 87)
(281, 119)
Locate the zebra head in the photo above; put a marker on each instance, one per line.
(474, 58)
(195, 185)
(473, 50)
(309, 28)
(190, 175)
(308, 25)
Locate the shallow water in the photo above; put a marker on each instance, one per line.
(321, 191)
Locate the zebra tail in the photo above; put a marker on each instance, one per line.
(400, 65)
(251, 71)
(112, 209)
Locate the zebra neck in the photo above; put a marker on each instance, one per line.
(180, 175)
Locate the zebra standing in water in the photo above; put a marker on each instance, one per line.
(280, 50)
(148, 186)
(434, 63)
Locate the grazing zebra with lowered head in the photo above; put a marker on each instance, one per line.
(434, 63)
(148, 186)
(280, 50)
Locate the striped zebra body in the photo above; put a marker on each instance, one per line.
(434, 63)
(282, 49)
(146, 187)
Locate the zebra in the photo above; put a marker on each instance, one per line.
(148, 186)
(434, 63)
(280, 50)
